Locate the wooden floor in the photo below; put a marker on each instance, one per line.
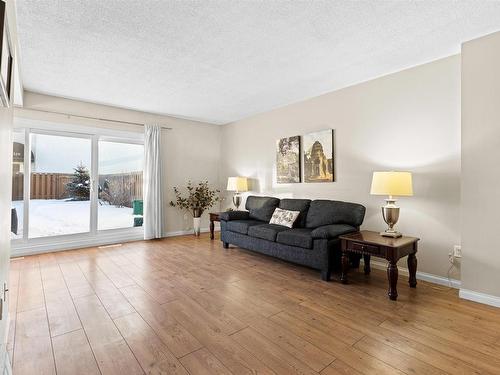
(185, 305)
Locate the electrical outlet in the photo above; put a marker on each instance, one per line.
(457, 251)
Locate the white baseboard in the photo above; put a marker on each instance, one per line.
(453, 283)
(186, 232)
(467, 294)
(486, 299)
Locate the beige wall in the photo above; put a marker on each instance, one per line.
(480, 164)
(191, 149)
(405, 121)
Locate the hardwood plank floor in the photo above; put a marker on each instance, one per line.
(150, 351)
(185, 305)
(73, 354)
(33, 347)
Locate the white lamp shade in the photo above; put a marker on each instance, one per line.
(392, 183)
(237, 184)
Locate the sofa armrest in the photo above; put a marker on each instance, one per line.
(234, 215)
(332, 231)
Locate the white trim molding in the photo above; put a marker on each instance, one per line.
(452, 283)
(486, 299)
(186, 232)
(61, 243)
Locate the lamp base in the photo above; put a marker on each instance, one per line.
(391, 234)
(237, 201)
(390, 213)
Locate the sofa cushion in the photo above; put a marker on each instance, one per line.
(332, 230)
(301, 205)
(284, 217)
(261, 208)
(266, 231)
(300, 237)
(233, 215)
(325, 212)
(241, 226)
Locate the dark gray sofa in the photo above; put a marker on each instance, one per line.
(312, 242)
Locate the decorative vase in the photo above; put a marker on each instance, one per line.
(196, 225)
(197, 212)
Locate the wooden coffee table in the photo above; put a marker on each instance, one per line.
(368, 243)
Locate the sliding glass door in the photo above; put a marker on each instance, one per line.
(59, 185)
(120, 185)
(74, 184)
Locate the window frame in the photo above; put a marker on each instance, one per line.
(94, 237)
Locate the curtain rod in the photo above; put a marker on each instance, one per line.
(93, 118)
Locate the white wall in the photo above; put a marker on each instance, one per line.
(191, 149)
(480, 165)
(405, 121)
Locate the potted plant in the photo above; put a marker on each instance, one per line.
(199, 198)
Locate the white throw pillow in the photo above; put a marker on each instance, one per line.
(284, 217)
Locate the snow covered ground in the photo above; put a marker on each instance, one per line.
(54, 217)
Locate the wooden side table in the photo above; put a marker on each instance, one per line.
(368, 243)
(214, 216)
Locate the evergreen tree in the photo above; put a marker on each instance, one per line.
(79, 187)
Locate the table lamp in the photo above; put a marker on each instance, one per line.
(238, 185)
(391, 184)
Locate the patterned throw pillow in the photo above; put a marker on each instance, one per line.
(284, 217)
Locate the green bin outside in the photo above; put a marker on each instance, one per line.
(137, 207)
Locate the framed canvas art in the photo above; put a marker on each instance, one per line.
(288, 160)
(318, 157)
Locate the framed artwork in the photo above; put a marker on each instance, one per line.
(288, 160)
(318, 157)
(6, 59)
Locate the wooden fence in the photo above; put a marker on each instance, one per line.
(53, 185)
(131, 180)
(17, 186)
(43, 186)
(49, 185)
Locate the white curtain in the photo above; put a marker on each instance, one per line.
(153, 192)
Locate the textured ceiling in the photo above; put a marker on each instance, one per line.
(220, 61)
